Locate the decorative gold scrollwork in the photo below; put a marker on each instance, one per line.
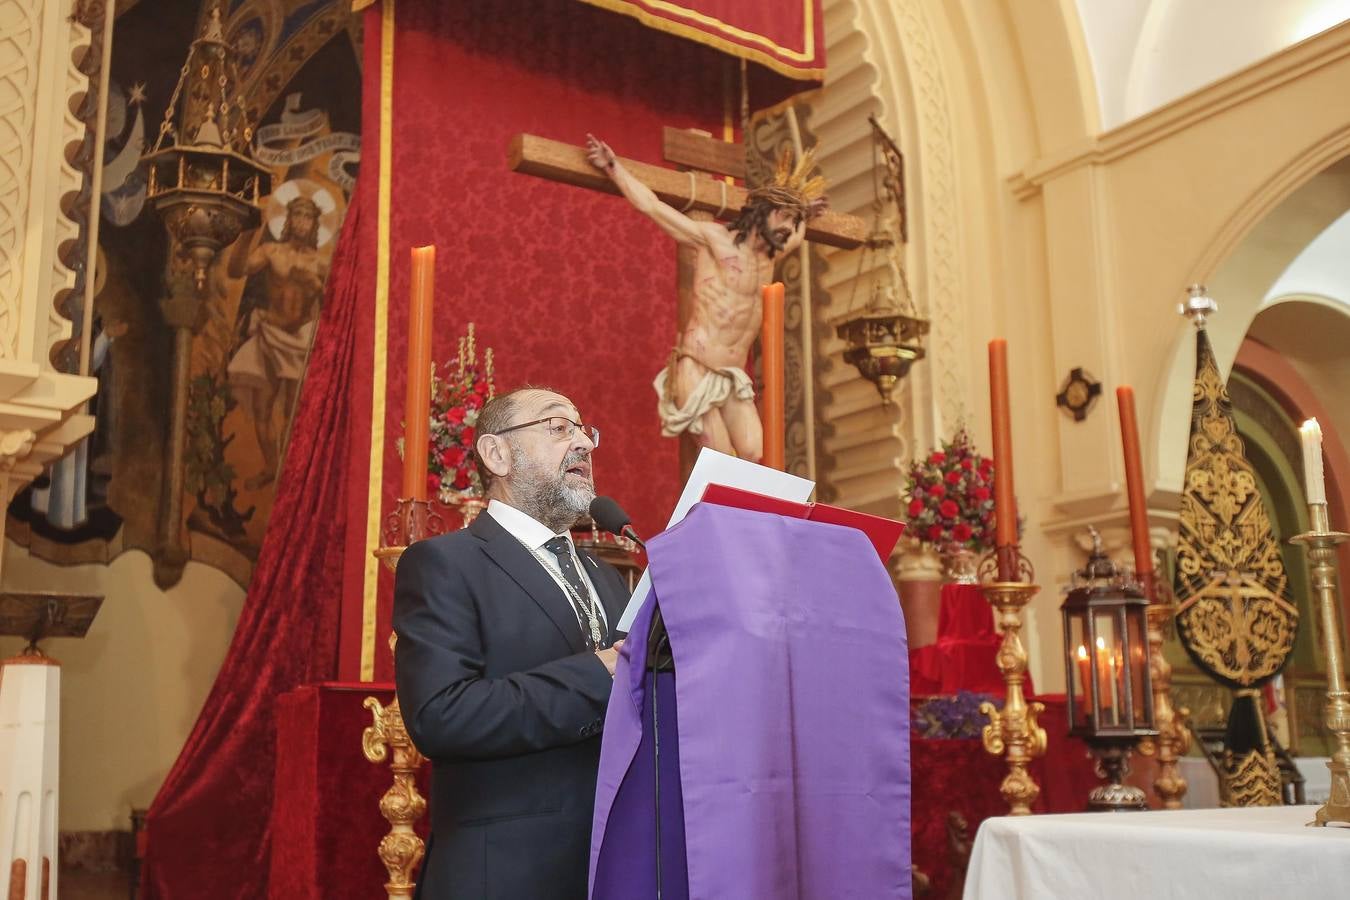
(1234, 616)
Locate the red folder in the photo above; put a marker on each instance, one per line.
(882, 532)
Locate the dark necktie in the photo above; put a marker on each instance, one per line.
(561, 547)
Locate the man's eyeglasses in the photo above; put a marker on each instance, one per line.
(560, 428)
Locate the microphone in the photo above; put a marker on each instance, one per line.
(610, 516)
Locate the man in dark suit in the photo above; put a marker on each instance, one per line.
(504, 663)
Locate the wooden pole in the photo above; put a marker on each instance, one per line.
(96, 187)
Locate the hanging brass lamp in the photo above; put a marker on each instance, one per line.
(886, 336)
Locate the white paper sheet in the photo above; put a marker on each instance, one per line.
(712, 467)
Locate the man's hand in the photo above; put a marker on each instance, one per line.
(599, 154)
(817, 207)
(610, 657)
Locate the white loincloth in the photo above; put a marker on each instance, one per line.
(271, 354)
(714, 389)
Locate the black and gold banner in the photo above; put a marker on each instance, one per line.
(1234, 617)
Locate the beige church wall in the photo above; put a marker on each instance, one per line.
(132, 688)
(932, 65)
(1075, 245)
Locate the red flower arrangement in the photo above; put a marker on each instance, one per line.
(952, 496)
(456, 400)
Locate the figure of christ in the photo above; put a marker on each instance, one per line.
(704, 389)
(271, 361)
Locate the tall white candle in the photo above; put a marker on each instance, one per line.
(1311, 433)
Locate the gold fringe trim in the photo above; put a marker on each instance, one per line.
(375, 484)
(725, 45)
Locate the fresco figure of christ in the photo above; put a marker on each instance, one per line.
(270, 363)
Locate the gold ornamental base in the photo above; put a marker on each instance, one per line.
(401, 850)
(1321, 543)
(1014, 730)
(1174, 738)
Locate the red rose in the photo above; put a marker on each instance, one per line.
(461, 480)
(981, 493)
(966, 464)
(986, 466)
(953, 477)
(937, 490)
(473, 401)
(915, 507)
(949, 509)
(938, 458)
(961, 532)
(480, 388)
(934, 532)
(452, 457)
(467, 435)
(433, 484)
(455, 414)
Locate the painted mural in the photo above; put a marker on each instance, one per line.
(298, 63)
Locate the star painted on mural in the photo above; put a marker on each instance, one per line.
(137, 94)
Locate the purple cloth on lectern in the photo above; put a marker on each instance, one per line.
(792, 690)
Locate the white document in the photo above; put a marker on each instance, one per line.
(712, 467)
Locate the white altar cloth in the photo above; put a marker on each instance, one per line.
(1233, 854)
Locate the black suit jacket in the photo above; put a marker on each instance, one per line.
(498, 690)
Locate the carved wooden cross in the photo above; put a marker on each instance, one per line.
(556, 161)
(692, 191)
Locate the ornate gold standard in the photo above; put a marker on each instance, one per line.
(1321, 542)
(1013, 730)
(1234, 617)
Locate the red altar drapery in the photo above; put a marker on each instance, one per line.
(206, 831)
(571, 288)
(963, 657)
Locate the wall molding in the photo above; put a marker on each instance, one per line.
(1167, 121)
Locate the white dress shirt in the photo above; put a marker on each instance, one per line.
(534, 534)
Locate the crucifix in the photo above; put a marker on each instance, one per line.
(704, 395)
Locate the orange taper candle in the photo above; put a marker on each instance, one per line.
(1005, 506)
(771, 348)
(1134, 481)
(417, 408)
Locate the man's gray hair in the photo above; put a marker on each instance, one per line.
(498, 413)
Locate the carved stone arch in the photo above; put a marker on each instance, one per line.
(1300, 198)
(884, 61)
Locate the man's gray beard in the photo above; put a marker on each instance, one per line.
(546, 495)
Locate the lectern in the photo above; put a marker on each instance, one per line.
(30, 717)
(769, 755)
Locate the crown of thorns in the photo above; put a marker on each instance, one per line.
(792, 187)
(305, 203)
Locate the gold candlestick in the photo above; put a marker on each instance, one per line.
(1321, 544)
(402, 805)
(1174, 738)
(1014, 728)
